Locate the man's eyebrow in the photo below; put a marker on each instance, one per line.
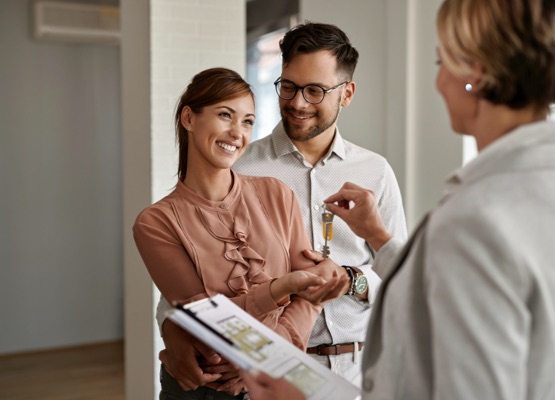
(321, 84)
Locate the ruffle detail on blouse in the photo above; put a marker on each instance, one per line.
(234, 231)
(249, 266)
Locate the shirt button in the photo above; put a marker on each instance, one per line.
(368, 385)
(316, 207)
(367, 382)
(222, 205)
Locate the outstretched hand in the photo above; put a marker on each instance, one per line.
(262, 386)
(308, 286)
(364, 217)
(330, 287)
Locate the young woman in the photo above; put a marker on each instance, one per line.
(222, 232)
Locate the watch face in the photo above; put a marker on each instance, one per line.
(361, 284)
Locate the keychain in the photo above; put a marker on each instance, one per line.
(327, 230)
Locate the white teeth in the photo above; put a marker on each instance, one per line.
(227, 147)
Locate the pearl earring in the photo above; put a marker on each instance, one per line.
(468, 87)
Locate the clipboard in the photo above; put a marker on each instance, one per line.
(245, 341)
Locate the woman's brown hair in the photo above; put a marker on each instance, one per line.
(208, 87)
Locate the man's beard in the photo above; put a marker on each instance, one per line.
(314, 131)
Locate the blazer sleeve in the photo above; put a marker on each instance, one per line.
(480, 324)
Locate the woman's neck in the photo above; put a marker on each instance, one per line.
(497, 120)
(211, 186)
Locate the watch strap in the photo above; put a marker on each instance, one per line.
(351, 274)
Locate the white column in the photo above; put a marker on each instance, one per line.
(136, 121)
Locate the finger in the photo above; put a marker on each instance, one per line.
(352, 186)
(313, 255)
(228, 384)
(210, 355)
(336, 291)
(187, 385)
(333, 289)
(255, 377)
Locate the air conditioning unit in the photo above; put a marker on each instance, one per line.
(76, 22)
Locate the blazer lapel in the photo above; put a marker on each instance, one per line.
(371, 352)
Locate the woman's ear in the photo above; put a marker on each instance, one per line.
(186, 118)
(476, 75)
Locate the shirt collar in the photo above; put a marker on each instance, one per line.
(283, 145)
(498, 152)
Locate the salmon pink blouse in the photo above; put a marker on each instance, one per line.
(194, 248)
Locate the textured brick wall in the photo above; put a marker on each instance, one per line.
(187, 36)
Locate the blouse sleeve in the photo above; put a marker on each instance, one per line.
(298, 317)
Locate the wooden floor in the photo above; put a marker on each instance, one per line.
(81, 373)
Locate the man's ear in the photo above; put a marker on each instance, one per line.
(348, 93)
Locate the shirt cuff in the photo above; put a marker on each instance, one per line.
(373, 280)
(386, 255)
(161, 309)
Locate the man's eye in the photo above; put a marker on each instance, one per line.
(313, 90)
(288, 88)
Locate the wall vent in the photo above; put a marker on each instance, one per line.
(76, 22)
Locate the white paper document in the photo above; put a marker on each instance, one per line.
(242, 339)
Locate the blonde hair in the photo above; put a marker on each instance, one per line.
(512, 40)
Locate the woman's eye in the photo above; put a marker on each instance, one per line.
(249, 122)
(225, 114)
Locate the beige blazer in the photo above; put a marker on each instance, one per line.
(467, 308)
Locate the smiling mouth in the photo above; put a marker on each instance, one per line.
(300, 116)
(227, 147)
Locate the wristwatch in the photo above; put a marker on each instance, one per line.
(359, 283)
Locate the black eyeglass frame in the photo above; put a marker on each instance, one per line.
(302, 88)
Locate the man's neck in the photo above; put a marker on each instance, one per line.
(316, 148)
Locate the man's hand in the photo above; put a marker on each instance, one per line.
(264, 387)
(364, 217)
(308, 286)
(180, 358)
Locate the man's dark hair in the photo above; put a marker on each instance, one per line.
(312, 37)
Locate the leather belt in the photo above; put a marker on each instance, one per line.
(334, 349)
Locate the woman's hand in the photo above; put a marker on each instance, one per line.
(309, 286)
(364, 217)
(180, 358)
(264, 387)
(230, 382)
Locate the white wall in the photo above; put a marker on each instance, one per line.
(60, 185)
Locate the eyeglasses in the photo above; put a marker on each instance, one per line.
(313, 94)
